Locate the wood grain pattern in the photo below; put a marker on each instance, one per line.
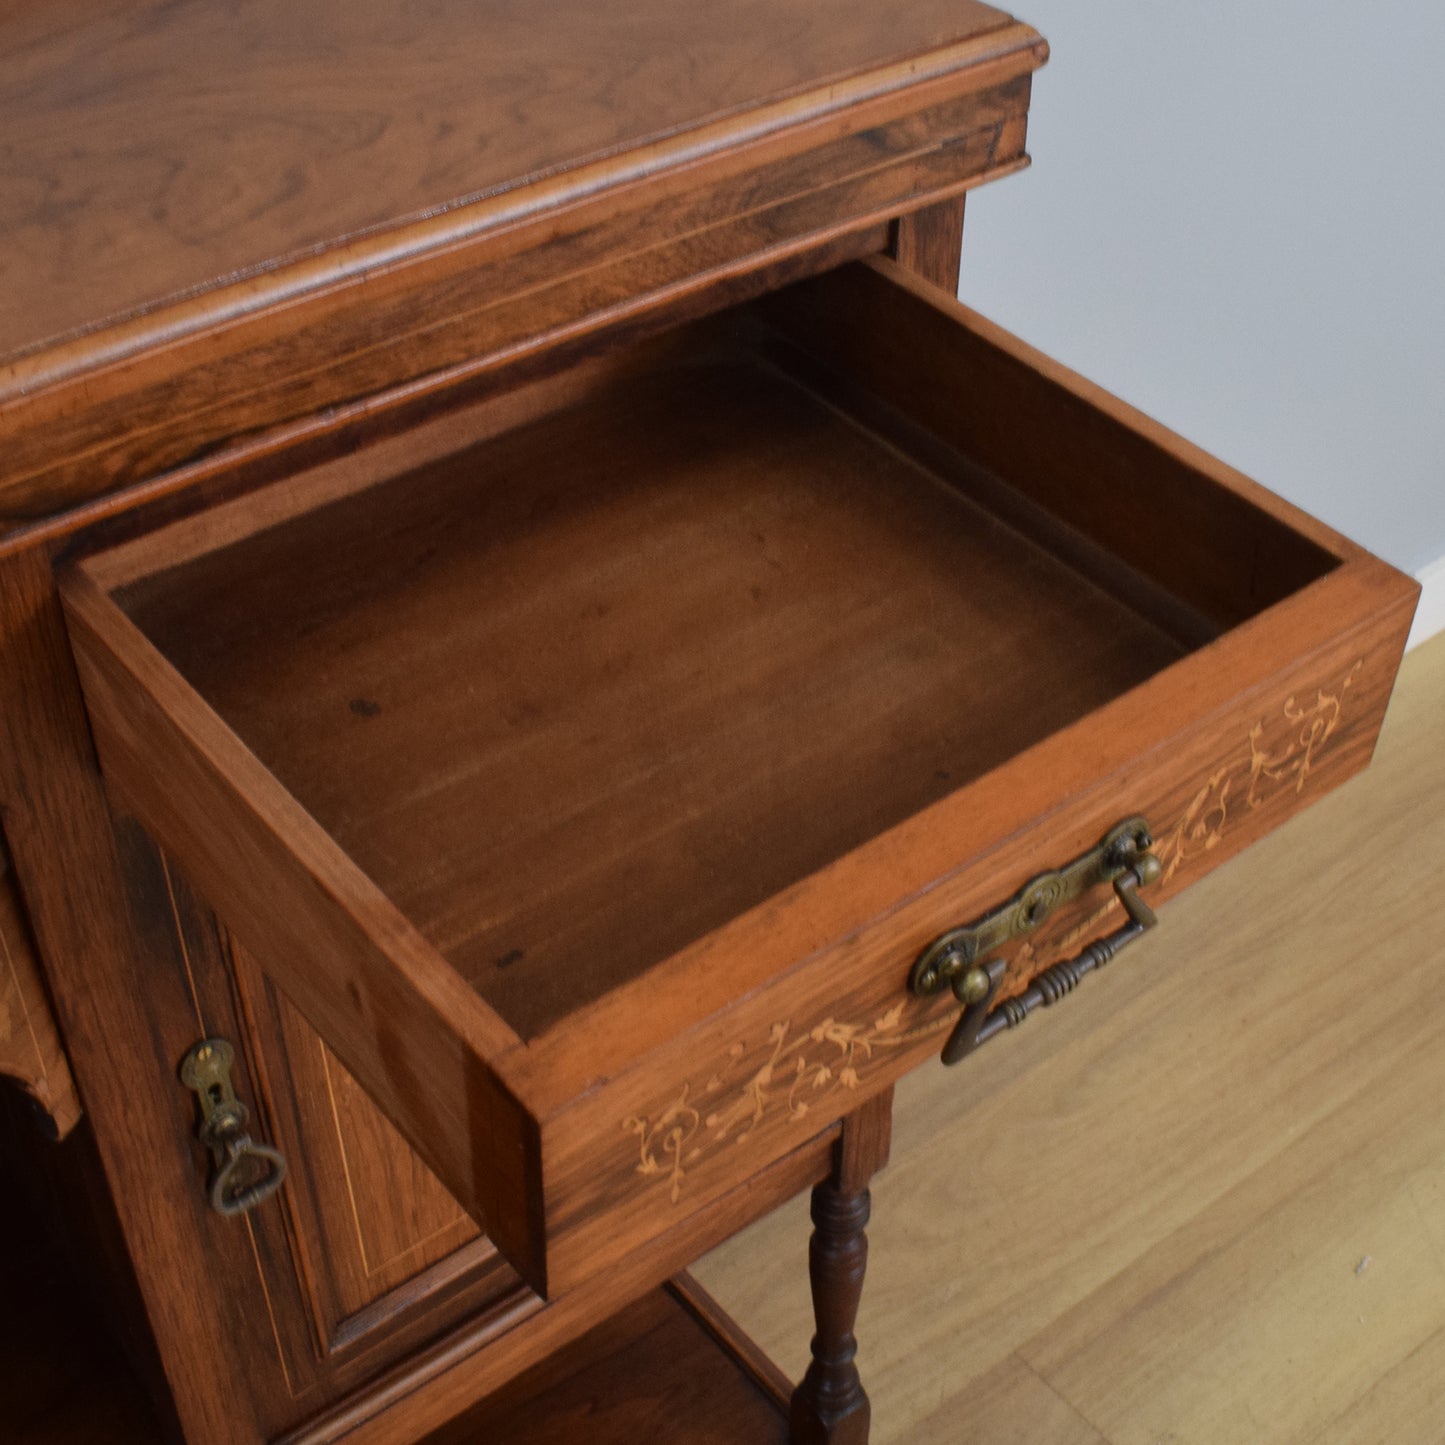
(829, 1405)
(223, 283)
(760, 1367)
(865, 1142)
(347, 118)
(425, 1044)
(556, 822)
(1057, 400)
(1126, 1103)
(387, 1257)
(1402, 1405)
(1008, 1405)
(31, 1052)
(737, 1083)
(283, 1354)
(447, 1334)
(404, 1219)
(440, 1382)
(1211, 1142)
(663, 1369)
(265, 1320)
(501, 254)
(929, 243)
(64, 852)
(98, 412)
(69, 446)
(1166, 509)
(1322, 1188)
(393, 419)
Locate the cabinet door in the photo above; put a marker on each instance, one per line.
(362, 1259)
(374, 1232)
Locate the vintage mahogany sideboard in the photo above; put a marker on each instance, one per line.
(546, 661)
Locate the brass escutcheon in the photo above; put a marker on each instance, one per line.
(246, 1172)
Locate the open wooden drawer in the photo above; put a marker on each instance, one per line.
(591, 766)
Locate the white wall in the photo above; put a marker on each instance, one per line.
(1236, 220)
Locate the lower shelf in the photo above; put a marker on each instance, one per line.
(670, 1368)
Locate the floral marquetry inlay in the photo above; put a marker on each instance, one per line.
(1310, 729)
(1278, 759)
(797, 1069)
(796, 1072)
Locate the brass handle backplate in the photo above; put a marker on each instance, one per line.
(961, 958)
(246, 1172)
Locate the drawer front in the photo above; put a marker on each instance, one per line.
(741, 1087)
(868, 412)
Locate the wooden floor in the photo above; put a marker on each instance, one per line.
(1204, 1202)
(1201, 1204)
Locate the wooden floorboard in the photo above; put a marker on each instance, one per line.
(1203, 1202)
(1406, 1402)
(1009, 1405)
(1275, 1308)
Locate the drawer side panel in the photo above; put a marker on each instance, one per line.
(398, 1018)
(1077, 457)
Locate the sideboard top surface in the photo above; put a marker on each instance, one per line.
(155, 150)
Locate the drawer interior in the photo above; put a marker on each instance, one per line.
(579, 686)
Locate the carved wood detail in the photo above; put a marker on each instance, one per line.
(31, 1052)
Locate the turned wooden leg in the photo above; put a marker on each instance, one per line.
(830, 1407)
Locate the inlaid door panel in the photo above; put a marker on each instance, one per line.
(376, 1235)
(362, 1259)
(404, 1219)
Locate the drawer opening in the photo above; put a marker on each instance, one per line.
(577, 691)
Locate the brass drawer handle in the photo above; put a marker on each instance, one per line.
(959, 958)
(246, 1172)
